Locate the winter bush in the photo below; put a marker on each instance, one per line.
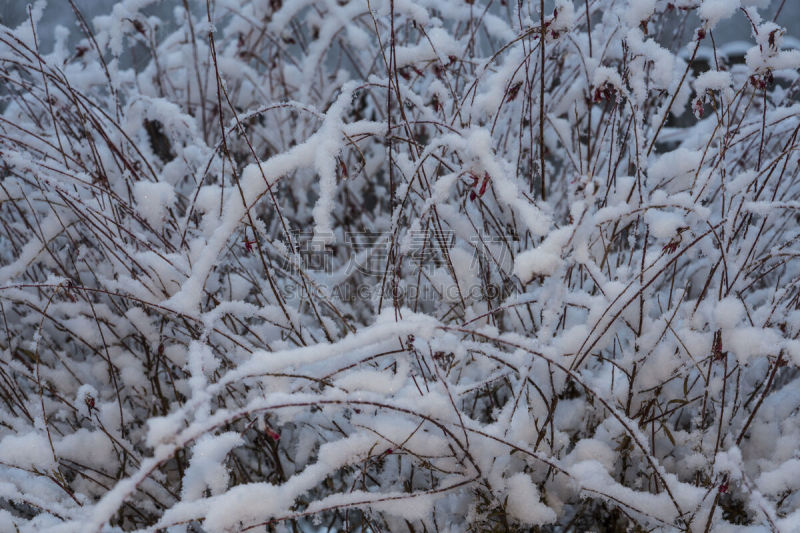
(389, 265)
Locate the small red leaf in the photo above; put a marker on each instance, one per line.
(484, 184)
(89, 400)
(771, 38)
(697, 108)
(670, 247)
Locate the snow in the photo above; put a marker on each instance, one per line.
(715, 11)
(153, 201)
(7, 522)
(543, 260)
(206, 471)
(678, 167)
(380, 382)
(438, 46)
(767, 54)
(244, 504)
(591, 450)
(784, 478)
(524, 502)
(639, 10)
(378, 257)
(712, 80)
(565, 17)
(729, 312)
(750, 342)
(85, 394)
(664, 224)
(49, 228)
(401, 505)
(87, 447)
(30, 451)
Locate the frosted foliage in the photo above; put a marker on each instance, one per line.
(400, 265)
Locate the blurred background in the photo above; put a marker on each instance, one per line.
(14, 12)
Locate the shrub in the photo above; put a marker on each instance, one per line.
(384, 265)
